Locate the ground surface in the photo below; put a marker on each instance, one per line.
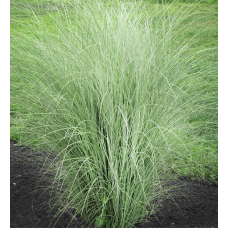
(199, 209)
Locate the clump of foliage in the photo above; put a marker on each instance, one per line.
(114, 92)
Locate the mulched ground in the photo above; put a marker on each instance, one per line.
(198, 210)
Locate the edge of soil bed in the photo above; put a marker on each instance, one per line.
(199, 209)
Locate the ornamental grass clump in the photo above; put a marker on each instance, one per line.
(109, 89)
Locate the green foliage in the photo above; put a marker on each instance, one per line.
(123, 95)
(102, 219)
(183, 1)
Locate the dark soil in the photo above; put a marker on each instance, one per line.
(27, 209)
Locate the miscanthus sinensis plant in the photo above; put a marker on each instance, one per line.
(109, 88)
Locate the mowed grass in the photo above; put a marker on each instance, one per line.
(124, 95)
